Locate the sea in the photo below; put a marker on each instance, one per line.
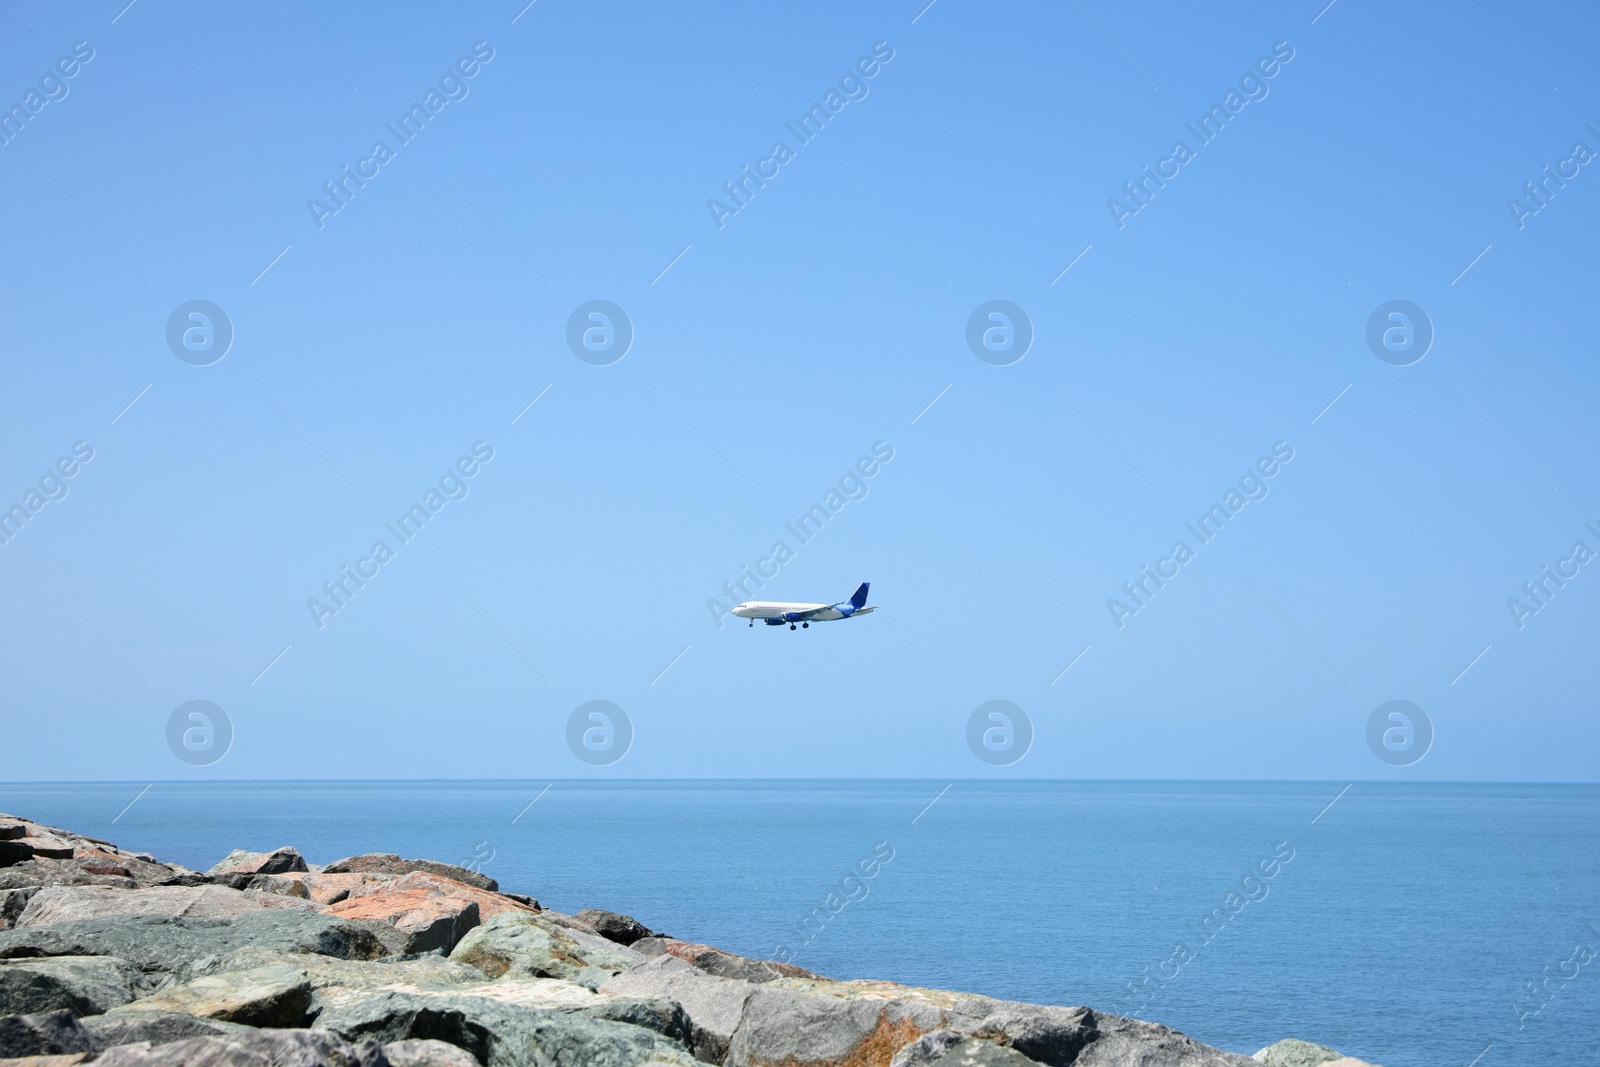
(1406, 925)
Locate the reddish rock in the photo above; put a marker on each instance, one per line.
(389, 863)
(332, 888)
(489, 904)
(424, 919)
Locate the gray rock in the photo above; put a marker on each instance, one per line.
(285, 860)
(722, 964)
(421, 1052)
(714, 1005)
(59, 857)
(275, 995)
(623, 929)
(34, 874)
(253, 1048)
(530, 944)
(68, 903)
(389, 863)
(49, 1033)
(156, 1027)
(21, 849)
(953, 1050)
(86, 985)
(1291, 1052)
(12, 901)
(158, 944)
(799, 1028)
(926, 1049)
(661, 1014)
(1083, 1037)
(337, 984)
(499, 1034)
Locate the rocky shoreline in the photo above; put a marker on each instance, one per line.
(115, 958)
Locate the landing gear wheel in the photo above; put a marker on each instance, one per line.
(791, 626)
(805, 626)
(752, 622)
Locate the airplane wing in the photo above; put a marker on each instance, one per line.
(842, 610)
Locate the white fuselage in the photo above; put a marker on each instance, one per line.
(762, 609)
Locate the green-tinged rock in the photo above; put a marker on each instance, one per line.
(800, 1029)
(529, 944)
(499, 1034)
(162, 945)
(1292, 1052)
(253, 1048)
(86, 985)
(276, 995)
(156, 1027)
(337, 984)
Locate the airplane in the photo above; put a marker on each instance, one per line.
(804, 614)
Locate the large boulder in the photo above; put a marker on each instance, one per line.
(1291, 1052)
(48, 1033)
(489, 903)
(36, 874)
(422, 920)
(421, 1052)
(156, 1027)
(1086, 1038)
(623, 929)
(273, 995)
(253, 1048)
(12, 901)
(500, 1034)
(159, 944)
(68, 903)
(19, 849)
(798, 1028)
(62, 1033)
(722, 964)
(801, 1022)
(715, 1006)
(953, 1050)
(86, 985)
(535, 945)
(282, 860)
(389, 863)
(337, 984)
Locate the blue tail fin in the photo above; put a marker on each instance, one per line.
(860, 596)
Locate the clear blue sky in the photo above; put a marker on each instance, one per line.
(769, 355)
